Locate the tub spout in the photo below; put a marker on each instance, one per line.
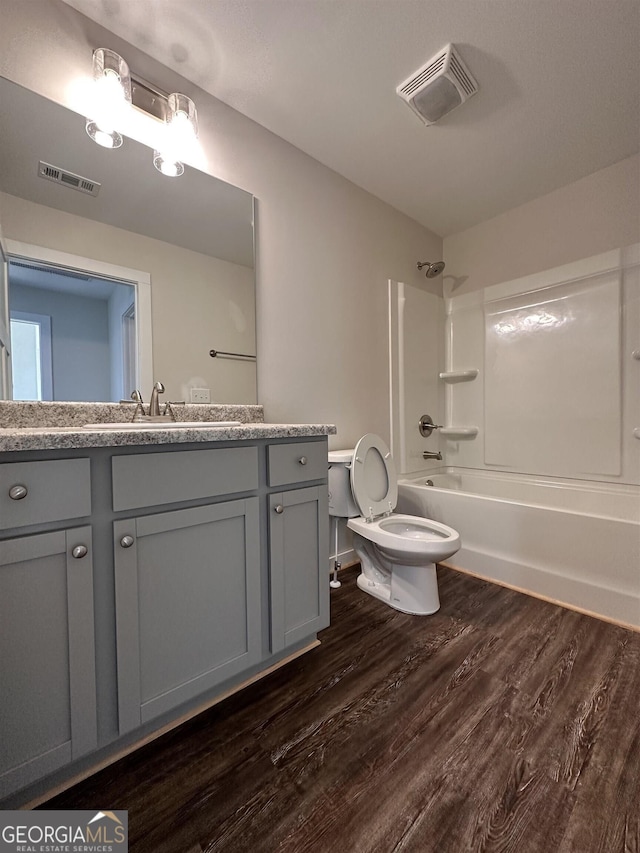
(428, 455)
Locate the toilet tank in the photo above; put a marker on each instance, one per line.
(341, 502)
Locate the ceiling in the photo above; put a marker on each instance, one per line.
(559, 88)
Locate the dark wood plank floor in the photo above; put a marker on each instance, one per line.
(501, 723)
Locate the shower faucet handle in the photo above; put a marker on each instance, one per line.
(427, 426)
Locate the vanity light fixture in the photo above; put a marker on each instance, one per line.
(115, 92)
(180, 132)
(112, 97)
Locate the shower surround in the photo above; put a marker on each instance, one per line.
(541, 475)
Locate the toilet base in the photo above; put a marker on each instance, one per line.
(412, 589)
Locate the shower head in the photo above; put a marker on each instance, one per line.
(432, 269)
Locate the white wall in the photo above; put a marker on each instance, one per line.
(325, 248)
(593, 215)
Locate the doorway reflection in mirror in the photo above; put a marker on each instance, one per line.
(73, 334)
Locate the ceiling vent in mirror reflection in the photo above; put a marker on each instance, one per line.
(68, 179)
(43, 269)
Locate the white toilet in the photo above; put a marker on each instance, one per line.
(397, 552)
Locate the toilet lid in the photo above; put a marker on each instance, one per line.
(374, 481)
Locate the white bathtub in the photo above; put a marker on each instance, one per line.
(575, 543)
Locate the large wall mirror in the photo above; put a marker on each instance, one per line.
(139, 281)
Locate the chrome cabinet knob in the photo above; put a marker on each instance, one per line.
(303, 460)
(79, 552)
(279, 509)
(18, 492)
(126, 541)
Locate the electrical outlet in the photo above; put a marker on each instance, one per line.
(200, 395)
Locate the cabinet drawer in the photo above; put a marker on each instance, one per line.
(297, 463)
(55, 490)
(152, 479)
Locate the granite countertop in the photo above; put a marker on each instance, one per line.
(64, 438)
(60, 426)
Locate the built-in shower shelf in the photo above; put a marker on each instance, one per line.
(459, 432)
(452, 376)
(636, 432)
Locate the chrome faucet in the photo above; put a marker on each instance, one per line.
(428, 455)
(154, 406)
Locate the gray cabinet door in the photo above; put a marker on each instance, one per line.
(298, 550)
(47, 655)
(187, 604)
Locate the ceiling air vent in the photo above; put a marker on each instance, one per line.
(43, 268)
(68, 179)
(441, 85)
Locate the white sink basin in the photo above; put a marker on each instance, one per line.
(167, 425)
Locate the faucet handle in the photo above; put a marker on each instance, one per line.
(426, 426)
(138, 414)
(169, 410)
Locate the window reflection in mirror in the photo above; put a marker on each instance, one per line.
(32, 374)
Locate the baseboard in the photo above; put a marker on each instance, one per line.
(537, 583)
(346, 559)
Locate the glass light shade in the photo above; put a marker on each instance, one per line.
(170, 167)
(180, 132)
(182, 117)
(112, 96)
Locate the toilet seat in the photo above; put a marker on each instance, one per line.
(409, 535)
(374, 479)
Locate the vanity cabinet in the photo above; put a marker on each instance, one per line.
(48, 704)
(209, 566)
